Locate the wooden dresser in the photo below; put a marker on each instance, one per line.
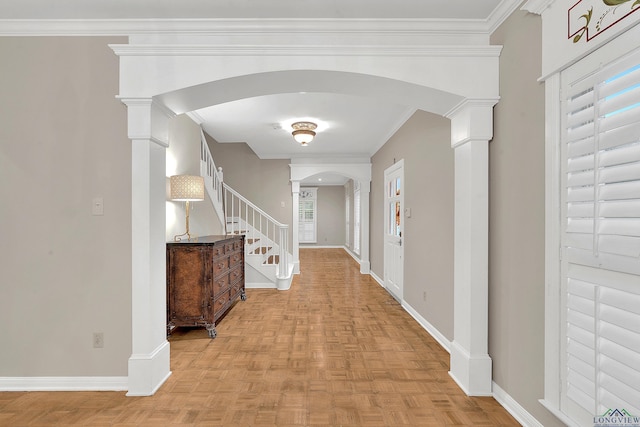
(204, 279)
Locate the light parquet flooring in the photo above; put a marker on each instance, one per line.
(334, 350)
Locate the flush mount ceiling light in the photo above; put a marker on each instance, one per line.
(303, 132)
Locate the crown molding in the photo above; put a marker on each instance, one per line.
(501, 13)
(536, 6)
(262, 50)
(126, 27)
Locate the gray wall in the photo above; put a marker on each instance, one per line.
(264, 182)
(65, 273)
(331, 221)
(424, 142)
(516, 221)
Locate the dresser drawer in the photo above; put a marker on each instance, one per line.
(217, 251)
(236, 289)
(236, 274)
(220, 284)
(220, 303)
(220, 265)
(235, 259)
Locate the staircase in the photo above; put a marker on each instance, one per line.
(268, 262)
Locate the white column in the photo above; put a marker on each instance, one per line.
(149, 363)
(471, 130)
(295, 206)
(365, 190)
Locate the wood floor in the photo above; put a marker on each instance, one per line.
(335, 350)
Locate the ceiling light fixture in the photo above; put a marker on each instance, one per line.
(303, 132)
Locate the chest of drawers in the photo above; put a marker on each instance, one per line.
(204, 279)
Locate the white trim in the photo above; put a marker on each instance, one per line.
(432, 330)
(353, 255)
(537, 6)
(501, 13)
(307, 50)
(514, 408)
(256, 285)
(375, 277)
(63, 384)
(552, 241)
(558, 414)
(120, 27)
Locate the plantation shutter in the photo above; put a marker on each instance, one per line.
(356, 218)
(601, 241)
(307, 220)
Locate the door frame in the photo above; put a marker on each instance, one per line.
(398, 166)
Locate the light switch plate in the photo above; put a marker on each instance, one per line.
(97, 206)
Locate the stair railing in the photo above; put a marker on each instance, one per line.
(212, 179)
(240, 211)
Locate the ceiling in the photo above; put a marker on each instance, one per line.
(201, 9)
(348, 125)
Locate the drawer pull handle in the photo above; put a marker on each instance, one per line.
(220, 265)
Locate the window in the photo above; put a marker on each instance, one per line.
(347, 209)
(307, 215)
(356, 218)
(600, 240)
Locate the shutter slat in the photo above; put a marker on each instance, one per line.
(620, 353)
(621, 299)
(619, 156)
(617, 334)
(578, 118)
(580, 226)
(581, 210)
(620, 101)
(618, 136)
(582, 163)
(620, 191)
(621, 227)
(581, 96)
(620, 245)
(581, 147)
(580, 241)
(620, 119)
(616, 84)
(627, 172)
(620, 209)
(623, 373)
(581, 194)
(582, 178)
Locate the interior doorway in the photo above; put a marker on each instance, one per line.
(393, 229)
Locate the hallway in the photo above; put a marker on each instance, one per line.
(335, 350)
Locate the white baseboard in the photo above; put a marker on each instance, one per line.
(63, 383)
(265, 285)
(513, 407)
(442, 340)
(353, 254)
(376, 278)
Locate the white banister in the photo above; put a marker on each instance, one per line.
(243, 217)
(213, 179)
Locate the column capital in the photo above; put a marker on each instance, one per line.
(148, 119)
(295, 187)
(471, 120)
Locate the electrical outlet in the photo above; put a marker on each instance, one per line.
(98, 340)
(424, 296)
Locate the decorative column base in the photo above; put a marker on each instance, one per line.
(147, 372)
(472, 373)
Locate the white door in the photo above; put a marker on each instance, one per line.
(393, 229)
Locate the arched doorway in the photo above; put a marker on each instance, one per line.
(185, 72)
